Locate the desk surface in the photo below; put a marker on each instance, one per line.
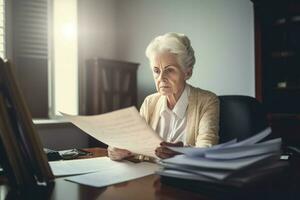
(151, 187)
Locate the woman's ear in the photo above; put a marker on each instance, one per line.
(188, 73)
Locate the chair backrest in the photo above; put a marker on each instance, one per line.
(240, 117)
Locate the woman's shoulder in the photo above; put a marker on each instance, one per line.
(195, 91)
(203, 98)
(149, 104)
(152, 97)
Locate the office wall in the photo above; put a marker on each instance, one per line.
(96, 29)
(221, 32)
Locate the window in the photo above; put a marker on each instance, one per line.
(65, 67)
(30, 51)
(44, 52)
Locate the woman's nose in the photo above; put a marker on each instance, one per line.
(162, 76)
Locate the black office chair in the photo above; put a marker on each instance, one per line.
(240, 117)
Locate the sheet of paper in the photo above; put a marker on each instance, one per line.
(80, 166)
(216, 174)
(270, 146)
(254, 139)
(217, 164)
(123, 128)
(115, 173)
(194, 151)
(184, 175)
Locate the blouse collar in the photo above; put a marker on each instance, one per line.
(180, 106)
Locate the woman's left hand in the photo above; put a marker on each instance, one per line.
(164, 152)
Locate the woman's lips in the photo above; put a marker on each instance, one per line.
(163, 87)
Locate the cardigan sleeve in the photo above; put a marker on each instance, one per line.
(147, 107)
(143, 110)
(208, 130)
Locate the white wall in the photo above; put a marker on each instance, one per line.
(96, 30)
(221, 32)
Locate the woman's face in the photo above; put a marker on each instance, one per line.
(168, 75)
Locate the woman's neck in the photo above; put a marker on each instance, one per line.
(173, 98)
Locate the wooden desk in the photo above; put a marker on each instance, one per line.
(150, 187)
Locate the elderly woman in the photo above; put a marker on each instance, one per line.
(181, 114)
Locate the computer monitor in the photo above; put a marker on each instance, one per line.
(21, 151)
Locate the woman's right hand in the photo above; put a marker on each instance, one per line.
(118, 154)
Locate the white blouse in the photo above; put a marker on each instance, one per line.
(172, 123)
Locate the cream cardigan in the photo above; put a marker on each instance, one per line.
(202, 116)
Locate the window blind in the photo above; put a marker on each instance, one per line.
(31, 28)
(30, 19)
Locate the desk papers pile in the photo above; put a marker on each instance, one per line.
(225, 162)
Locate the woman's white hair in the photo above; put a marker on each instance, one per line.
(176, 43)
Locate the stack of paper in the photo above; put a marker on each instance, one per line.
(225, 162)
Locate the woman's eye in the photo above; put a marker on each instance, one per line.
(156, 71)
(169, 70)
